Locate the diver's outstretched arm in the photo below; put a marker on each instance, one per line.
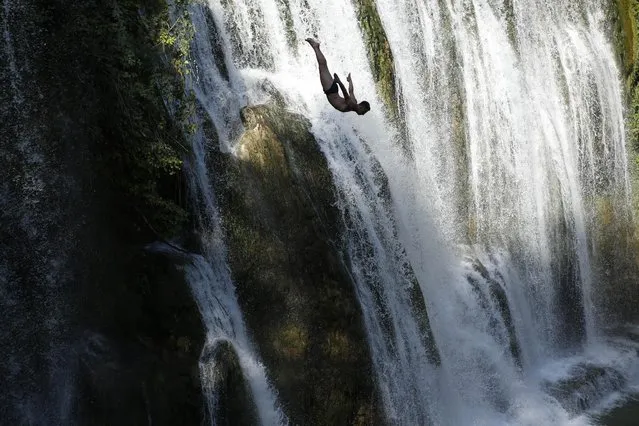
(351, 91)
(341, 85)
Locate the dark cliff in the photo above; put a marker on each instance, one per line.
(100, 331)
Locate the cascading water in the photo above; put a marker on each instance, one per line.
(486, 200)
(212, 287)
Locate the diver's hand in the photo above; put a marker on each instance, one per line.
(336, 77)
(348, 78)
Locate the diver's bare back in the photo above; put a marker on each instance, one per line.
(332, 84)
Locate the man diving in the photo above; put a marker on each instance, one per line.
(331, 86)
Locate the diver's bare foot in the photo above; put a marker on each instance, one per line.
(314, 43)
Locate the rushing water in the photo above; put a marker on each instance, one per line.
(213, 290)
(487, 199)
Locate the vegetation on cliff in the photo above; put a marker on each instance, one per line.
(379, 55)
(140, 56)
(137, 55)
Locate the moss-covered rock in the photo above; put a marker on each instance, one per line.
(625, 17)
(617, 233)
(626, 34)
(379, 52)
(617, 262)
(296, 294)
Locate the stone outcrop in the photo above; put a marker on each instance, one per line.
(296, 294)
(585, 386)
(615, 232)
(234, 400)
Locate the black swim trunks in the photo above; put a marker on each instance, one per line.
(333, 89)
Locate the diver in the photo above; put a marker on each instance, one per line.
(331, 86)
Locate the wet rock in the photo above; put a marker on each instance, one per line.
(491, 292)
(624, 414)
(99, 331)
(586, 385)
(283, 234)
(233, 405)
(141, 362)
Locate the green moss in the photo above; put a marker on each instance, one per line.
(291, 340)
(380, 55)
(627, 32)
(337, 346)
(509, 12)
(625, 16)
(99, 97)
(617, 246)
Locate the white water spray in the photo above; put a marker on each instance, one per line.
(514, 127)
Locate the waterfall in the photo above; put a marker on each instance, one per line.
(481, 202)
(209, 278)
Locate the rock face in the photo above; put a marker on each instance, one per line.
(615, 233)
(98, 330)
(141, 365)
(496, 296)
(295, 292)
(586, 385)
(379, 55)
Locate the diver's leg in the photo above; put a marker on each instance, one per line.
(325, 75)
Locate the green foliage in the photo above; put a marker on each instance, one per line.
(141, 49)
